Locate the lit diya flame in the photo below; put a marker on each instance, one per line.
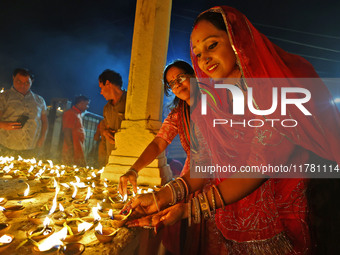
(7, 169)
(65, 185)
(96, 216)
(75, 190)
(54, 205)
(105, 184)
(61, 208)
(78, 183)
(100, 171)
(19, 158)
(46, 222)
(50, 162)
(53, 240)
(89, 193)
(31, 169)
(125, 198)
(40, 163)
(93, 185)
(55, 183)
(84, 226)
(27, 191)
(99, 228)
(5, 239)
(93, 174)
(111, 213)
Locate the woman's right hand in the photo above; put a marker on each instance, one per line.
(143, 204)
(131, 177)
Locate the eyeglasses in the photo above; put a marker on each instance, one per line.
(179, 80)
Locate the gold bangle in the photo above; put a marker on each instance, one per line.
(213, 199)
(185, 185)
(177, 189)
(172, 193)
(204, 206)
(154, 198)
(197, 217)
(182, 190)
(134, 171)
(219, 196)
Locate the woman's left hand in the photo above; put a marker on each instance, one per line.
(167, 217)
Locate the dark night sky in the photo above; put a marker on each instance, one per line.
(68, 43)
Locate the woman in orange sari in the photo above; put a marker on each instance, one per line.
(255, 214)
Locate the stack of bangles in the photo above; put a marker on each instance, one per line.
(198, 205)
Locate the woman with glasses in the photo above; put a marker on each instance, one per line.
(176, 79)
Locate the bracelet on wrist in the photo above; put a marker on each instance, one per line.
(134, 171)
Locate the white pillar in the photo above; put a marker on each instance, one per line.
(145, 94)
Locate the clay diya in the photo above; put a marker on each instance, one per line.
(30, 177)
(80, 203)
(73, 235)
(4, 227)
(106, 235)
(37, 218)
(13, 211)
(61, 217)
(3, 201)
(81, 211)
(5, 242)
(72, 249)
(39, 233)
(44, 180)
(117, 221)
(30, 195)
(52, 251)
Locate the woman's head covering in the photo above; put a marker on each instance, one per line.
(260, 58)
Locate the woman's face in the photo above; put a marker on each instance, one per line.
(179, 82)
(213, 51)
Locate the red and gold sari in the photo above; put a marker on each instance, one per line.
(272, 219)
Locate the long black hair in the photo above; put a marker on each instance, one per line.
(187, 68)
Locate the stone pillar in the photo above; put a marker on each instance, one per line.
(145, 94)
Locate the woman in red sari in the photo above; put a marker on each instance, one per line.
(262, 215)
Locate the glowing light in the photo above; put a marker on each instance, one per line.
(99, 228)
(54, 205)
(27, 191)
(31, 169)
(2, 208)
(75, 190)
(53, 240)
(89, 193)
(5, 239)
(50, 162)
(46, 221)
(111, 213)
(84, 226)
(337, 100)
(61, 208)
(96, 216)
(100, 171)
(125, 198)
(65, 185)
